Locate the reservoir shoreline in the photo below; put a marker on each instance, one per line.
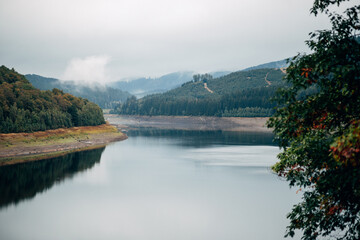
(255, 124)
(24, 147)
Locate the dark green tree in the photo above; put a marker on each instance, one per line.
(317, 123)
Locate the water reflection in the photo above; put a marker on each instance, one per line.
(23, 181)
(201, 138)
(158, 184)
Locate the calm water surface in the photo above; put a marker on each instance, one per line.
(158, 184)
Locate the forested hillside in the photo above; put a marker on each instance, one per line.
(243, 94)
(145, 86)
(24, 108)
(105, 97)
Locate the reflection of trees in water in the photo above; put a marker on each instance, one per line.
(203, 138)
(23, 181)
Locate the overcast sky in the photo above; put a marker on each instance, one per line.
(106, 40)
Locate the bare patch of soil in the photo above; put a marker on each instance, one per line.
(20, 147)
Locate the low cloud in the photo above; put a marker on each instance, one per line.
(88, 70)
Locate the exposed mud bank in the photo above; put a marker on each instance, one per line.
(190, 123)
(22, 147)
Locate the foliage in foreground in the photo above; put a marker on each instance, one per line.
(24, 108)
(320, 131)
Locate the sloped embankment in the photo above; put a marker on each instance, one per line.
(22, 147)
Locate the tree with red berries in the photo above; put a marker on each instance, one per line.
(317, 124)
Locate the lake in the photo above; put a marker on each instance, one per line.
(157, 184)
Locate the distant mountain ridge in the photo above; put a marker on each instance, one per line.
(219, 73)
(144, 86)
(104, 96)
(141, 87)
(276, 64)
(242, 94)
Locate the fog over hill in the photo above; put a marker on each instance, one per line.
(108, 96)
(24, 108)
(104, 96)
(144, 86)
(141, 87)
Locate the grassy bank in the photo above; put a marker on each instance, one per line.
(20, 147)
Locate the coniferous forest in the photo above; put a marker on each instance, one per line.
(239, 94)
(24, 108)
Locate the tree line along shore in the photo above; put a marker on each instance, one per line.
(24, 108)
(36, 124)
